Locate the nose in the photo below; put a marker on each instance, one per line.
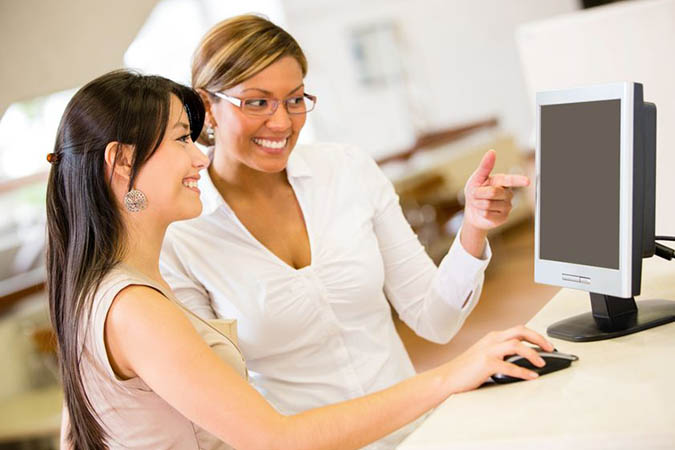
(280, 120)
(199, 159)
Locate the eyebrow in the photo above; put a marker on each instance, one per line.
(269, 93)
(181, 125)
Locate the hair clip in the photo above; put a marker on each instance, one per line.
(53, 158)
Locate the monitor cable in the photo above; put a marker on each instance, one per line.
(663, 251)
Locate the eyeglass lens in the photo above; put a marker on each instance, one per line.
(262, 106)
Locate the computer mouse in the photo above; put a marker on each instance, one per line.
(555, 360)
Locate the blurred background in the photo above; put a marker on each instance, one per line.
(425, 86)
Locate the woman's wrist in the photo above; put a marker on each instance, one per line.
(473, 240)
(445, 379)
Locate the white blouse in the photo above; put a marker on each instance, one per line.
(324, 333)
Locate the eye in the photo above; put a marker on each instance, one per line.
(256, 103)
(185, 139)
(295, 101)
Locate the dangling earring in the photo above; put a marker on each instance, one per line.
(210, 133)
(135, 201)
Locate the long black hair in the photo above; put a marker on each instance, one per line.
(85, 233)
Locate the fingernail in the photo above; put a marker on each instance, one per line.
(542, 361)
(534, 374)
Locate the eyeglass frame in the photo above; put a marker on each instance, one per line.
(239, 102)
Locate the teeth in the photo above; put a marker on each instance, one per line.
(190, 183)
(270, 144)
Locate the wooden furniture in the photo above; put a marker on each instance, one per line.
(31, 415)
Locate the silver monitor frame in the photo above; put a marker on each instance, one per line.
(613, 282)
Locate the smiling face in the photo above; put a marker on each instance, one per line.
(259, 143)
(169, 177)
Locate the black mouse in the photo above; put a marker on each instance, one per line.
(555, 360)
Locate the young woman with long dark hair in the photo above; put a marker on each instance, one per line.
(138, 369)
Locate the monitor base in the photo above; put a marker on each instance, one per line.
(608, 321)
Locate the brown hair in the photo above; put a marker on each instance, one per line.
(238, 48)
(84, 225)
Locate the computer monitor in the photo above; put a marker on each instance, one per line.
(594, 218)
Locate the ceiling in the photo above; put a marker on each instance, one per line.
(50, 46)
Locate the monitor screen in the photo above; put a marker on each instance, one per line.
(579, 183)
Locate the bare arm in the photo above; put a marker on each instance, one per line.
(149, 337)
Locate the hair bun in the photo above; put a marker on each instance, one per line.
(52, 158)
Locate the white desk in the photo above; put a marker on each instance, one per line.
(619, 395)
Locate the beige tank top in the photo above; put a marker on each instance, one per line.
(130, 412)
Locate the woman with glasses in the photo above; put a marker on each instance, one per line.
(306, 246)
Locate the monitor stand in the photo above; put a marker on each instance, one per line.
(613, 317)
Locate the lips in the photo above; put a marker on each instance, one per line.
(191, 183)
(271, 145)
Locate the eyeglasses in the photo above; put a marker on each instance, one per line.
(301, 104)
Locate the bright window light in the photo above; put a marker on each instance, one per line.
(27, 134)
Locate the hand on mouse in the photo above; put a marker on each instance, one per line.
(486, 358)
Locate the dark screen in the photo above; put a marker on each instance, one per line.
(579, 183)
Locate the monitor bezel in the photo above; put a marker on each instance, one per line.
(600, 280)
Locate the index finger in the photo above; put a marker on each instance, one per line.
(526, 334)
(501, 179)
(482, 173)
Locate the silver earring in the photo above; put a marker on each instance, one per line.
(210, 133)
(135, 201)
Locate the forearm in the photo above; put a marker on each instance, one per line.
(473, 240)
(437, 320)
(355, 423)
(213, 395)
(434, 301)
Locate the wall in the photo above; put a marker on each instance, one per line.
(627, 41)
(460, 58)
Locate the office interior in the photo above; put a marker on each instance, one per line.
(426, 87)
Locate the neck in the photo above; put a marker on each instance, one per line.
(232, 177)
(144, 243)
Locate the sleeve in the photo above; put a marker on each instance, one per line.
(174, 267)
(433, 301)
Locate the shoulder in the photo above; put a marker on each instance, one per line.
(197, 243)
(332, 150)
(116, 280)
(141, 316)
(124, 307)
(140, 321)
(332, 157)
(193, 235)
(124, 286)
(121, 286)
(142, 305)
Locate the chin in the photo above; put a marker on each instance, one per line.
(190, 213)
(272, 165)
(272, 168)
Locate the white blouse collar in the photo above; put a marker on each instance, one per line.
(297, 167)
